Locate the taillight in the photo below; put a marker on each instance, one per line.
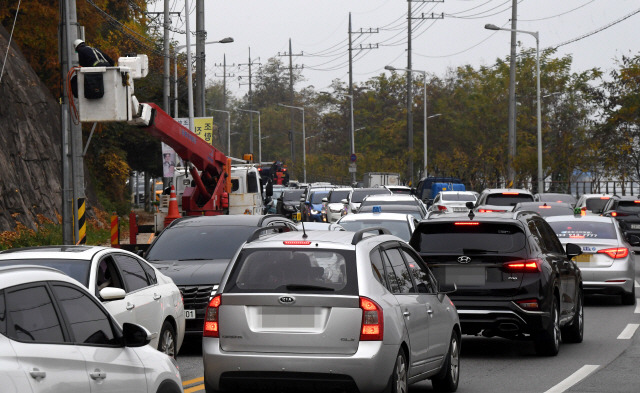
(614, 214)
(372, 320)
(490, 211)
(615, 253)
(211, 327)
(544, 207)
(529, 304)
(471, 223)
(583, 211)
(442, 208)
(510, 193)
(296, 242)
(524, 266)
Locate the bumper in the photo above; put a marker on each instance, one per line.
(614, 280)
(500, 319)
(226, 369)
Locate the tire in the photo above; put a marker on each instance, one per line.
(449, 376)
(629, 299)
(399, 379)
(574, 331)
(547, 342)
(167, 340)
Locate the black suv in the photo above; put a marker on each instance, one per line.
(513, 277)
(625, 209)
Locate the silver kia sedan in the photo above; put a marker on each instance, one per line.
(354, 311)
(607, 261)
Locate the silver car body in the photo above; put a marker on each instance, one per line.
(291, 332)
(600, 272)
(28, 365)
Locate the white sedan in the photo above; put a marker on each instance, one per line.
(131, 289)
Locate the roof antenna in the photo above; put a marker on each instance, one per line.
(304, 233)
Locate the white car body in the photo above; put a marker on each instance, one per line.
(452, 201)
(53, 350)
(146, 303)
(334, 207)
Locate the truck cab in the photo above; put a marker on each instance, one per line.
(246, 196)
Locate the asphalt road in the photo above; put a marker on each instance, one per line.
(606, 361)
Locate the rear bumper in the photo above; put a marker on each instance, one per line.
(613, 280)
(224, 370)
(502, 318)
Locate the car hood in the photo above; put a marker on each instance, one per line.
(199, 272)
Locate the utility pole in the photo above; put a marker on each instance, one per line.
(250, 64)
(166, 85)
(511, 173)
(291, 95)
(224, 84)
(201, 36)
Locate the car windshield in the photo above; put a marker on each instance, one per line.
(480, 237)
(74, 268)
(337, 196)
(397, 228)
(199, 242)
(293, 195)
(596, 204)
(297, 270)
(317, 197)
(358, 195)
(458, 197)
(508, 199)
(583, 230)
(629, 206)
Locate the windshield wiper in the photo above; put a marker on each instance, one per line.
(478, 251)
(302, 287)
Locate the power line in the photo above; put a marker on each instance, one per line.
(555, 16)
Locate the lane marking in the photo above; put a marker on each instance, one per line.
(574, 378)
(198, 388)
(637, 311)
(189, 382)
(628, 332)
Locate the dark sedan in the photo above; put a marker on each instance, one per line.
(625, 209)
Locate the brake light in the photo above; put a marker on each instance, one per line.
(490, 211)
(296, 242)
(614, 214)
(604, 198)
(615, 253)
(372, 320)
(466, 223)
(583, 211)
(636, 201)
(442, 208)
(211, 327)
(528, 304)
(524, 266)
(544, 207)
(510, 193)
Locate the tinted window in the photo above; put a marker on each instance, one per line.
(468, 239)
(403, 275)
(376, 266)
(508, 199)
(550, 239)
(32, 316)
(458, 197)
(78, 269)
(358, 195)
(397, 228)
(150, 273)
(420, 275)
(596, 204)
(199, 242)
(337, 196)
(133, 274)
(252, 182)
(294, 270)
(537, 236)
(394, 286)
(3, 315)
(293, 195)
(566, 198)
(317, 197)
(629, 206)
(583, 230)
(88, 323)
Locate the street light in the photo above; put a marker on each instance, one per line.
(228, 129)
(304, 148)
(424, 142)
(536, 35)
(259, 133)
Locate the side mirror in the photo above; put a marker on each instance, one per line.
(344, 201)
(470, 205)
(135, 335)
(325, 200)
(573, 250)
(633, 240)
(111, 293)
(303, 199)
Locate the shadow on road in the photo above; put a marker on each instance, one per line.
(191, 346)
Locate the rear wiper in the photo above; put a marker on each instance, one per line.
(302, 287)
(478, 251)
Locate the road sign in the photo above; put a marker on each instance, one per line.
(352, 168)
(353, 157)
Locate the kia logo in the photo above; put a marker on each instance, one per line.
(464, 259)
(287, 299)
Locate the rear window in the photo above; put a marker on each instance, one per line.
(292, 195)
(547, 210)
(337, 196)
(596, 204)
(459, 197)
(317, 197)
(479, 238)
(77, 269)
(508, 199)
(406, 202)
(294, 270)
(358, 195)
(583, 230)
(557, 198)
(629, 206)
(397, 228)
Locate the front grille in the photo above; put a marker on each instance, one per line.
(196, 298)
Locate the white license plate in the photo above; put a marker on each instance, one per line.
(190, 314)
(635, 226)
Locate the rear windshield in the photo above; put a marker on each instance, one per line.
(294, 270)
(77, 269)
(293, 195)
(547, 210)
(358, 195)
(406, 202)
(508, 199)
(459, 197)
(317, 197)
(583, 230)
(199, 242)
(479, 238)
(397, 228)
(557, 198)
(629, 206)
(337, 196)
(596, 204)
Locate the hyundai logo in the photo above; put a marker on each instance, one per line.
(287, 299)
(464, 259)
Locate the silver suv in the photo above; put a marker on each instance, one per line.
(357, 311)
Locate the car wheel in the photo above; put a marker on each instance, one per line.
(399, 382)
(449, 376)
(547, 342)
(574, 331)
(629, 299)
(167, 341)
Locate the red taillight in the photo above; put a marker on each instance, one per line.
(545, 207)
(372, 320)
(466, 223)
(604, 198)
(211, 327)
(615, 253)
(614, 214)
(583, 211)
(529, 304)
(442, 208)
(296, 242)
(510, 193)
(527, 265)
(490, 211)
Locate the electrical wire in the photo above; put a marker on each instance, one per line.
(555, 16)
(481, 15)
(473, 8)
(462, 51)
(15, 19)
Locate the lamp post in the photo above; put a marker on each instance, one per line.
(228, 129)
(424, 142)
(189, 76)
(536, 35)
(304, 148)
(259, 133)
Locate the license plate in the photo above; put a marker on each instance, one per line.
(190, 314)
(635, 226)
(465, 275)
(583, 258)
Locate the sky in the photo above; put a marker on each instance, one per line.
(318, 30)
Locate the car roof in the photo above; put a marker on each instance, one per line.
(491, 216)
(325, 239)
(458, 192)
(627, 197)
(538, 203)
(21, 274)
(577, 218)
(375, 216)
(227, 220)
(53, 252)
(501, 190)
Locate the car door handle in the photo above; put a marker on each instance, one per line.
(156, 296)
(97, 374)
(37, 374)
(406, 314)
(130, 306)
(429, 311)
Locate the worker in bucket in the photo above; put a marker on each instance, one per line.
(91, 57)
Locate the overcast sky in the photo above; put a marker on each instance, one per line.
(318, 29)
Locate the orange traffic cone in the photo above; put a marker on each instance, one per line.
(173, 208)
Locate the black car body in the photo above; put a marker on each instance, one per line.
(626, 210)
(289, 201)
(195, 251)
(513, 277)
